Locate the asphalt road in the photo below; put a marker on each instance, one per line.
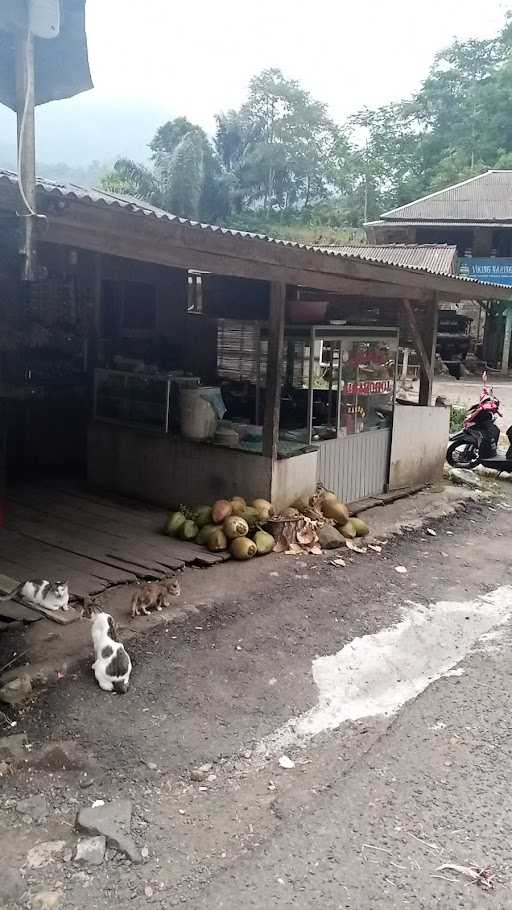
(394, 714)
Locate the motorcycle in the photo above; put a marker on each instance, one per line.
(477, 442)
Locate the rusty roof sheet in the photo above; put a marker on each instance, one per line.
(436, 258)
(133, 205)
(483, 199)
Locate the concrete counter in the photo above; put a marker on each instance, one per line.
(169, 470)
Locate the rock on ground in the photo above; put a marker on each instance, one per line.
(91, 850)
(45, 853)
(113, 822)
(45, 900)
(12, 748)
(330, 538)
(17, 690)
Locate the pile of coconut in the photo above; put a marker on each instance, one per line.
(232, 525)
(246, 530)
(319, 523)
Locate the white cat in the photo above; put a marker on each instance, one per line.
(112, 666)
(54, 595)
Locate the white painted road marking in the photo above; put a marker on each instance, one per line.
(377, 674)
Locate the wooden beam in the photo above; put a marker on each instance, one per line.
(424, 334)
(221, 242)
(148, 250)
(428, 328)
(274, 365)
(148, 238)
(426, 366)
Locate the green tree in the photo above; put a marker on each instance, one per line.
(277, 145)
(127, 178)
(280, 160)
(185, 178)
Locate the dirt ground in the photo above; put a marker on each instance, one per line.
(372, 807)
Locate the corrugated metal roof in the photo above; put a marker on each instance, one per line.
(436, 258)
(101, 198)
(487, 198)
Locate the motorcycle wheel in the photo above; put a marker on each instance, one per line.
(462, 455)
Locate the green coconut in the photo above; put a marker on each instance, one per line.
(173, 524)
(361, 527)
(202, 516)
(204, 534)
(265, 543)
(251, 516)
(188, 530)
(348, 530)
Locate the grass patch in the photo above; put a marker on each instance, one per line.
(457, 419)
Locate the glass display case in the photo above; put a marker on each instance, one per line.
(337, 380)
(137, 399)
(347, 379)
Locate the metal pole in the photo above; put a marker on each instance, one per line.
(26, 147)
(506, 340)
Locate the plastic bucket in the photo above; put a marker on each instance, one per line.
(198, 417)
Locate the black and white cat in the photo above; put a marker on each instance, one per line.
(53, 595)
(112, 666)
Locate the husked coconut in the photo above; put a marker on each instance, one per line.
(264, 508)
(242, 548)
(234, 527)
(336, 510)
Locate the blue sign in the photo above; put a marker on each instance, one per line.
(497, 271)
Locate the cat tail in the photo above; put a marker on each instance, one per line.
(17, 590)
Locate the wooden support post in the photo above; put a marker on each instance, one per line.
(424, 335)
(505, 355)
(274, 367)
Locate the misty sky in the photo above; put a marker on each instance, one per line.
(196, 57)
(158, 59)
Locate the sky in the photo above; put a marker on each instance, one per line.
(196, 57)
(159, 59)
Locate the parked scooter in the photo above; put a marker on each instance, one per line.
(477, 442)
